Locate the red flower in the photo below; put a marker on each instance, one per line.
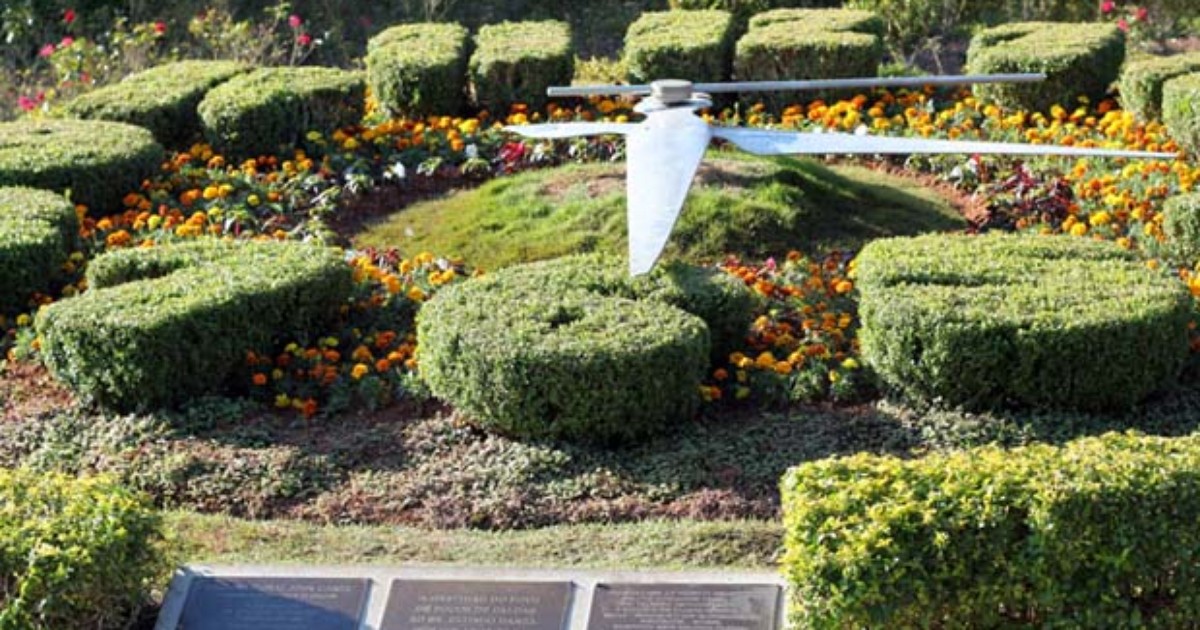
(1107, 6)
(304, 39)
(46, 50)
(1122, 24)
(160, 27)
(69, 16)
(1140, 14)
(26, 103)
(66, 41)
(294, 21)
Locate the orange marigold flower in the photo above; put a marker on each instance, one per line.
(360, 370)
(260, 379)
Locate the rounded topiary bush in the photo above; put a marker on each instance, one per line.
(514, 62)
(269, 111)
(38, 230)
(162, 99)
(1141, 83)
(1181, 110)
(1053, 322)
(162, 325)
(1078, 59)
(690, 45)
(419, 68)
(97, 162)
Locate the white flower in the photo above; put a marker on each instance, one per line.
(472, 151)
(396, 171)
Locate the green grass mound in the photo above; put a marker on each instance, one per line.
(162, 99)
(1078, 59)
(691, 45)
(1022, 321)
(96, 162)
(1141, 83)
(563, 349)
(76, 553)
(38, 230)
(419, 69)
(1099, 533)
(160, 326)
(1181, 110)
(793, 44)
(739, 204)
(514, 62)
(269, 111)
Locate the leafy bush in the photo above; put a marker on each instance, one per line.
(1181, 227)
(1004, 320)
(162, 99)
(514, 62)
(419, 68)
(269, 110)
(1181, 110)
(1099, 533)
(95, 163)
(791, 44)
(742, 10)
(74, 553)
(1142, 82)
(38, 230)
(159, 326)
(691, 45)
(561, 349)
(1078, 59)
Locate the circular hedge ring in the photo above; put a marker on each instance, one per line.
(1027, 321)
(98, 162)
(37, 231)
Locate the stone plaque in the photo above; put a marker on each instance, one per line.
(476, 605)
(634, 606)
(274, 603)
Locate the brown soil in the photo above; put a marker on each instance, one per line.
(28, 390)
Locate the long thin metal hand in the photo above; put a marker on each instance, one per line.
(572, 129)
(814, 84)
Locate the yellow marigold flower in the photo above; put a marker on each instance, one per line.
(360, 370)
(282, 401)
(24, 319)
(1079, 229)
(1098, 219)
(766, 360)
(416, 294)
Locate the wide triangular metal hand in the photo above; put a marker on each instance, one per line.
(572, 129)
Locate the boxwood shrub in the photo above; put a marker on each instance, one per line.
(1181, 227)
(691, 45)
(160, 326)
(96, 162)
(1099, 533)
(1078, 59)
(74, 553)
(162, 99)
(572, 348)
(1181, 110)
(788, 44)
(268, 111)
(1021, 321)
(38, 231)
(742, 10)
(419, 68)
(1142, 82)
(514, 62)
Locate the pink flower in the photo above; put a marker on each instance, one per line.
(69, 16)
(160, 27)
(1122, 24)
(1107, 6)
(66, 41)
(1140, 14)
(46, 50)
(294, 21)
(304, 39)
(26, 103)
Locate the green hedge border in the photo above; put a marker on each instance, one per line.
(38, 231)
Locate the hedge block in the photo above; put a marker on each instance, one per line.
(691, 45)
(160, 326)
(1181, 110)
(419, 69)
(269, 111)
(38, 231)
(1078, 59)
(1099, 533)
(162, 99)
(742, 10)
(1142, 82)
(96, 163)
(514, 62)
(1181, 227)
(1024, 321)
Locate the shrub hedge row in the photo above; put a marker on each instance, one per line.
(74, 553)
(419, 69)
(1078, 59)
(1181, 227)
(97, 162)
(1099, 533)
(691, 45)
(269, 110)
(162, 99)
(514, 62)
(1012, 320)
(1141, 83)
(1181, 110)
(38, 231)
(163, 325)
(742, 10)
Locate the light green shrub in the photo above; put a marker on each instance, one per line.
(514, 62)
(1142, 82)
(1181, 227)
(691, 45)
(419, 69)
(1181, 110)
(38, 231)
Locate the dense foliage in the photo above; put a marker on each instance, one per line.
(38, 233)
(419, 69)
(697, 45)
(1181, 110)
(514, 62)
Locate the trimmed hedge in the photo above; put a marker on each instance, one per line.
(1082, 58)
(572, 348)
(74, 553)
(1099, 533)
(743, 9)
(160, 326)
(1014, 320)
(1141, 83)
(162, 99)
(38, 231)
(419, 68)
(1181, 110)
(691, 45)
(514, 62)
(1181, 227)
(789, 44)
(97, 162)
(269, 111)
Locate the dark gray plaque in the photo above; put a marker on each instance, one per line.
(476, 605)
(274, 603)
(684, 607)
